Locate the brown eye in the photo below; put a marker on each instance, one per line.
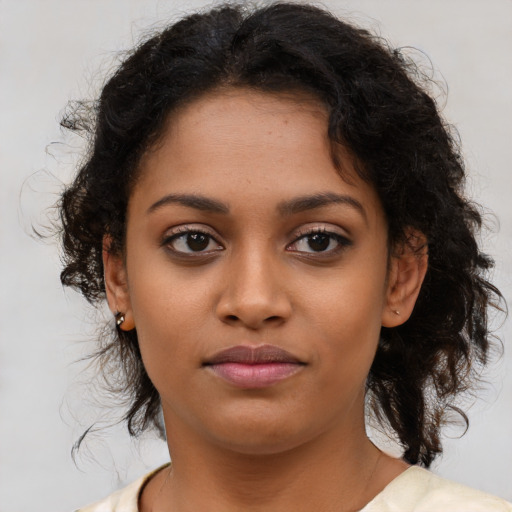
(190, 242)
(197, 241)
(319, 242)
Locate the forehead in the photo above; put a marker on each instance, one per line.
(239, 142)
(231, 122)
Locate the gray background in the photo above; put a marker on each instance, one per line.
(55, 50)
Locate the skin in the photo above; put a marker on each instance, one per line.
(299, 444)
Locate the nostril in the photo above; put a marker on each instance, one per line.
(232, 317)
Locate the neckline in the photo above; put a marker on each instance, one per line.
(404, 475)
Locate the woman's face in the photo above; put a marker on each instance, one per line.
(242, 235)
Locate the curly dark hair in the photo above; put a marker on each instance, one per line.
(379, 111)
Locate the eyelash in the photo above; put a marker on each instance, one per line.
(186, 231)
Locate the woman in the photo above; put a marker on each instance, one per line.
(273, 209)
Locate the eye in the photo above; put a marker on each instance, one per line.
(319, 241)
(192, 241)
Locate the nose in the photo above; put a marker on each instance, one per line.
(254, 294)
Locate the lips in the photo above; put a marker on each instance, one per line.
(253, 367)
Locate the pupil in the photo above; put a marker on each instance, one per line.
(318, 242)
(197, 241)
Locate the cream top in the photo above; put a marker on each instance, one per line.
(415, 490)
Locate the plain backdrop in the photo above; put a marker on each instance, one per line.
(52, 51)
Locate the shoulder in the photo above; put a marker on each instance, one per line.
(419, 490)
(123, 500)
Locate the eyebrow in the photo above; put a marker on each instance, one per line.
(285, 208)
(198, 202)
(310, 202)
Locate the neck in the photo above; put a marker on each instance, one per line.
(339, 471)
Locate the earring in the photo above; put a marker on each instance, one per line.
(119, 318)
(396, 311)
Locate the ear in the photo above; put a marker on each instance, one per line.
(116, 285)
(408, 266)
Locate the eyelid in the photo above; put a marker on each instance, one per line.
(188, 228)
(328, 229)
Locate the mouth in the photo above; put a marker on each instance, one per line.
(254, 367)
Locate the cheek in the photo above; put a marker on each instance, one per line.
(168, 312)
(345, 313)
(351, 297)
(161, 293)
(168, 322)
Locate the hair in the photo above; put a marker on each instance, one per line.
(379, 111)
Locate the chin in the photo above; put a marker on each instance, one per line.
(262, 435)
(260, 445)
